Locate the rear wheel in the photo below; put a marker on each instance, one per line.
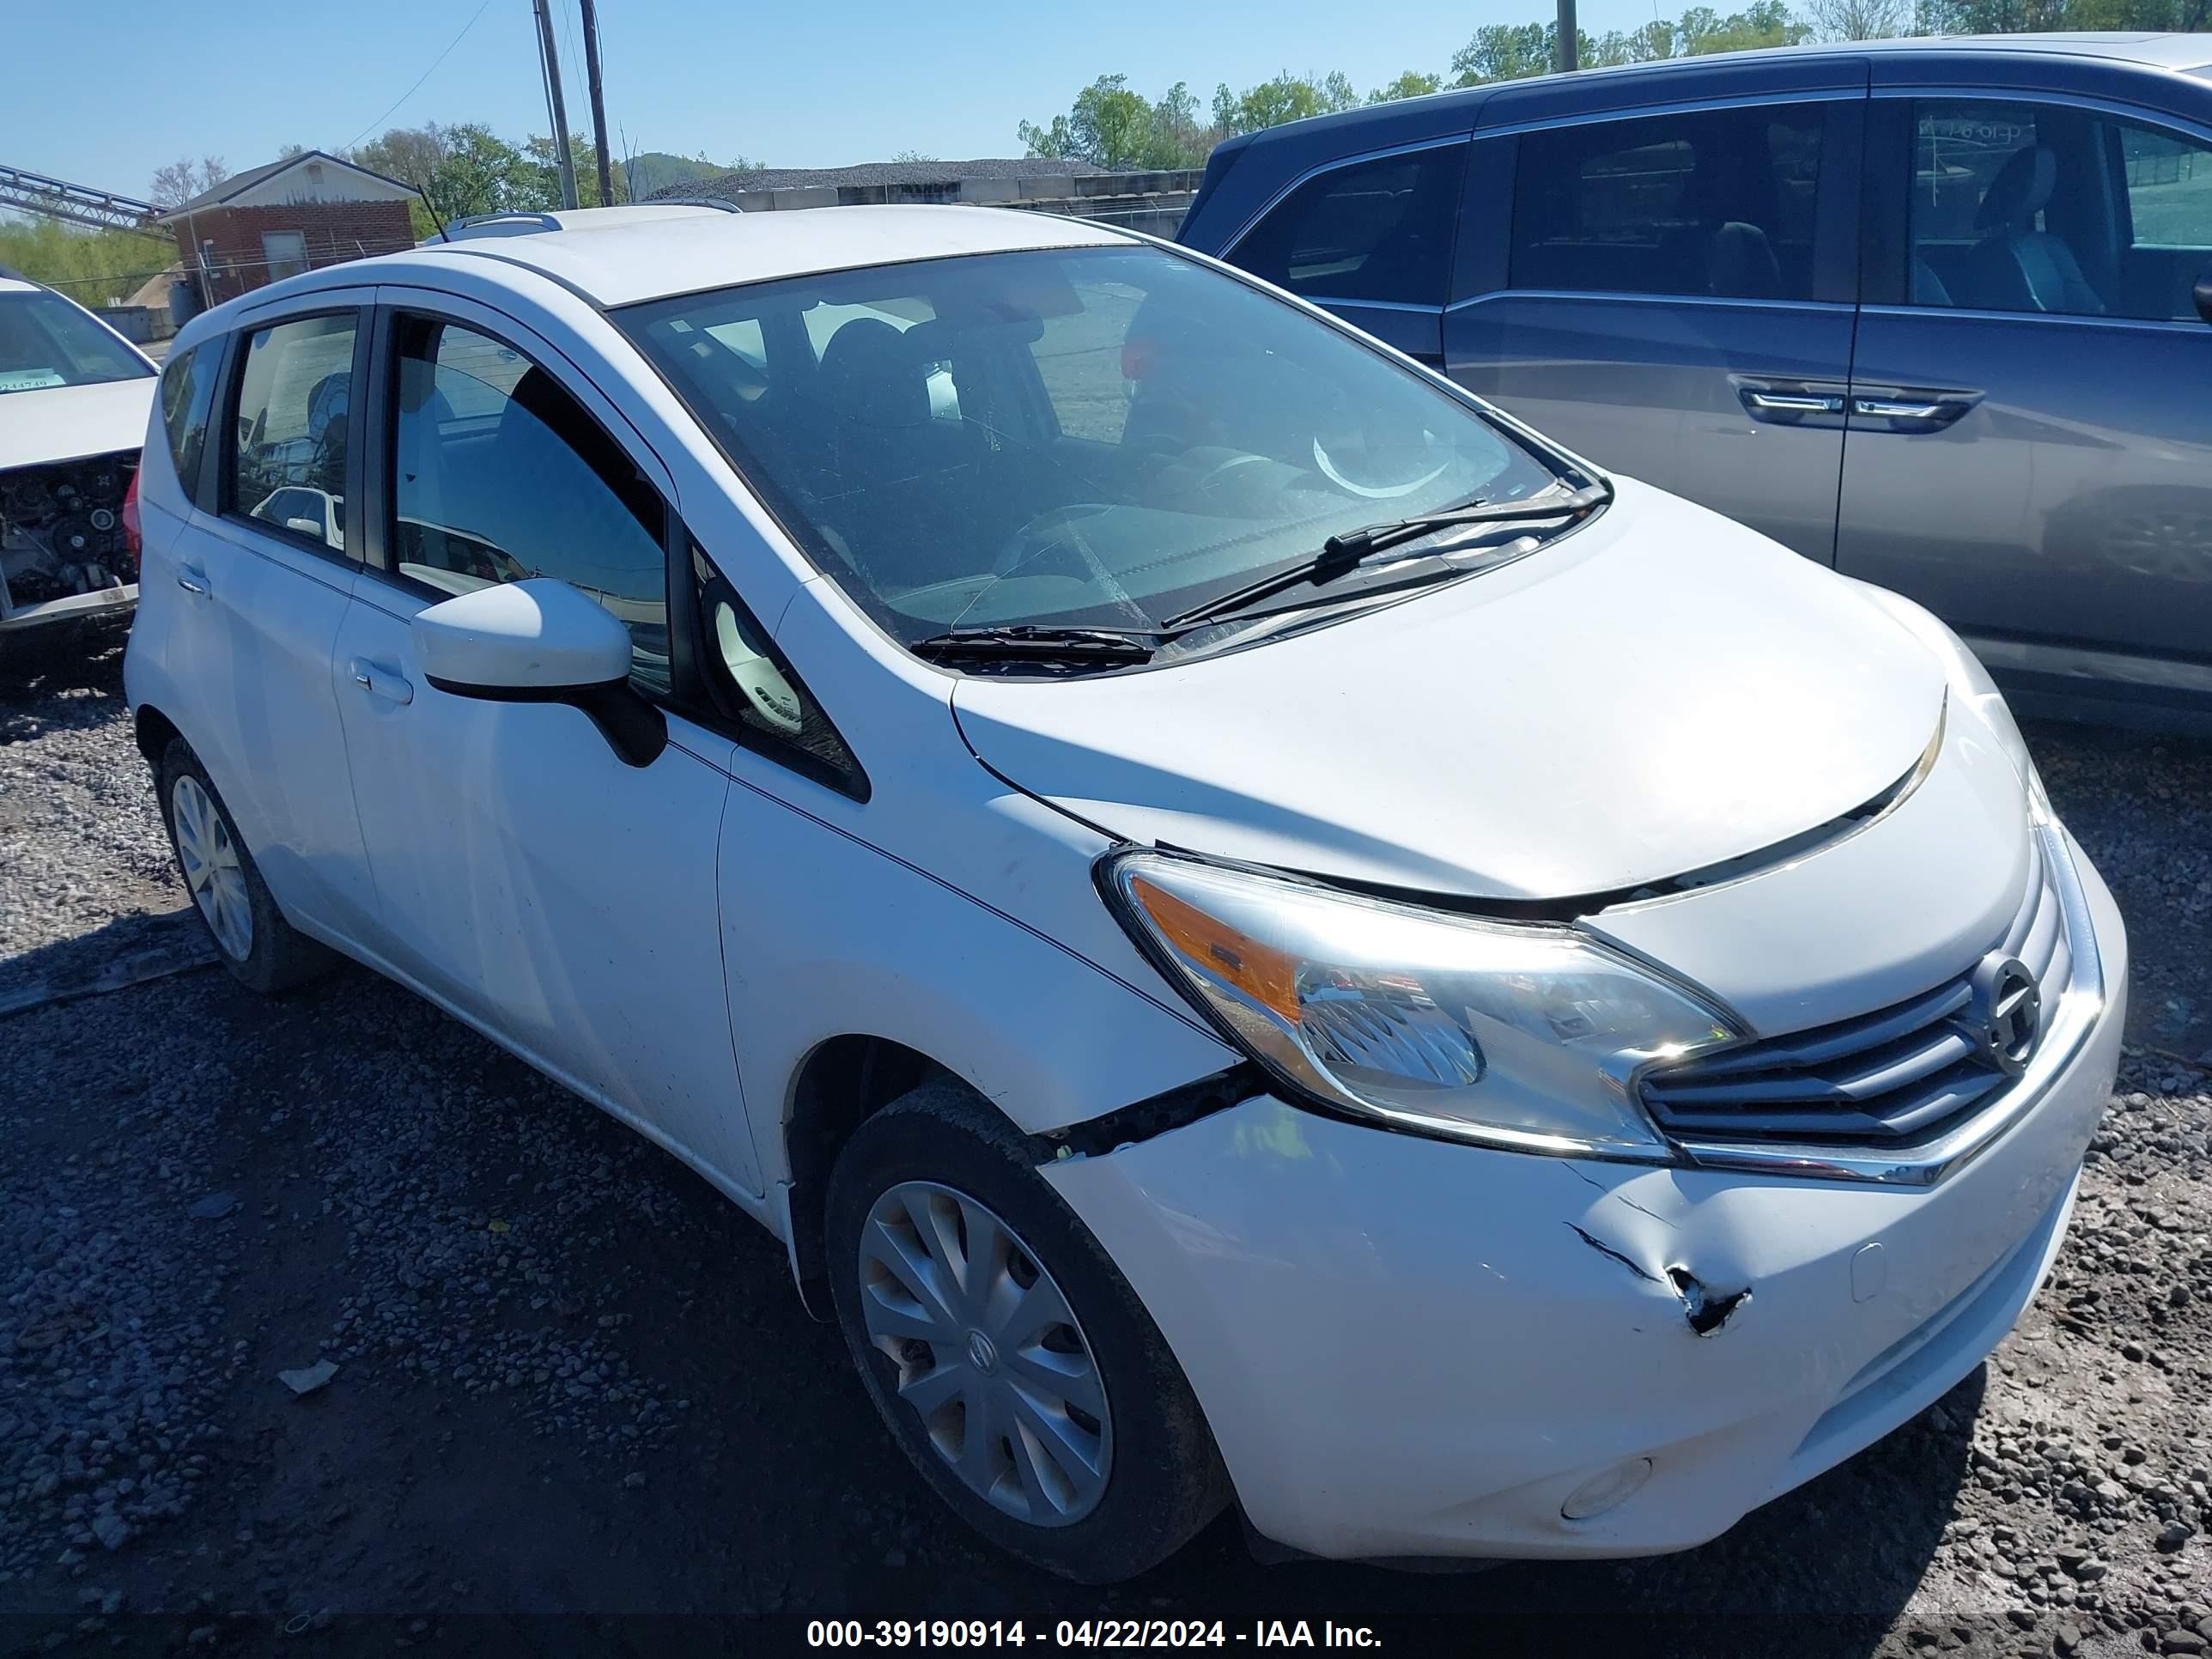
(1006, 1354)
(261, 949)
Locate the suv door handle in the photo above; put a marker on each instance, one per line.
(379, 681)
(193, 580)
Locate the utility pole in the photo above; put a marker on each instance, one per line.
(591, 21)
(556, 107)
(1567, 57)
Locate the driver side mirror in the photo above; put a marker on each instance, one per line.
(2204, 295)
(541, 641)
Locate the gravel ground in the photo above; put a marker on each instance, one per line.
(571, 1379)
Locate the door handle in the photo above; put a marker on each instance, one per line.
(1790, 402)
(1921, 411)
(379, 681)
(193, 580)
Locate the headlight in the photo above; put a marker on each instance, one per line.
(1520, 1036)
(1971, 689)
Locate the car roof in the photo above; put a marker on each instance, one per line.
(619, 256)
(1454, 109)
(18, 285)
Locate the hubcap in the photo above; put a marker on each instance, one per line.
(209, 859)
(989, 1354)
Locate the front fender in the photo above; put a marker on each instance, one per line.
(868, 945)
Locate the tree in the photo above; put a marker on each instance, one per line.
(459, 170)
(1112, 125)
(1286, 98)
(183, 179)
(1504, 51)
(1414, 83)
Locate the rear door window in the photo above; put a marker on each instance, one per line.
(1375, 230)
(1715, 203)
(288, 468)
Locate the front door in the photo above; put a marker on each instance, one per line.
(561, 899)
(2030, 454)
(1676, 299)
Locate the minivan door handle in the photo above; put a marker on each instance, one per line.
(1786, 403)
(379, 681)
(1790, 402)
(1911, 410)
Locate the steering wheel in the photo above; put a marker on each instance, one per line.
(1020, 547)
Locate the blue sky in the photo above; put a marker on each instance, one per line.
(807, 85)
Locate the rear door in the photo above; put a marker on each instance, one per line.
(2030, 454)
(262, 585)
(1371, 239)
(1671, 292)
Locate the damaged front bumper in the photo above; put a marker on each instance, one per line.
(1407, 1347)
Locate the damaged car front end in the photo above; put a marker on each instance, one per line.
(73, 396)
(1580, 1226)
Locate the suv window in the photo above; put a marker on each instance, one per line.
(500, 476)
(187, 395)
(2043, 207)
(1707, 202)
(1374, 230)
(288, 453)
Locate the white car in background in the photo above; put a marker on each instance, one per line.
(1257, 928)
(73, 396)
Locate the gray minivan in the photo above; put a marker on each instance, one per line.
(1936, 313)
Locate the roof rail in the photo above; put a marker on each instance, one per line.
(510, 216)
(722, 202)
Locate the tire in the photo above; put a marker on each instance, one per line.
(1159, 1478)
(262, 951)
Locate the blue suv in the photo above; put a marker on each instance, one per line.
(1936, 313)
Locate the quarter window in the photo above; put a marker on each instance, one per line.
(294, 390)
(187, 395)
(1707, 202)
(501, 475)
(1379, 230)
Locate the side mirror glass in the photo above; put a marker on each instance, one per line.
(540, 641)
(2205, 296)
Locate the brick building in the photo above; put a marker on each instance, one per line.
(299, 213)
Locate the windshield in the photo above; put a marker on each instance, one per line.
(1096, 437)
(45, 340)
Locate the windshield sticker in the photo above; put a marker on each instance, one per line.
(28, 380)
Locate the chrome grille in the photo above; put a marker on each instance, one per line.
(1894, 1076)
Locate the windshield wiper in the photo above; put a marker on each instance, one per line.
(1037, 642)
(1343, 553)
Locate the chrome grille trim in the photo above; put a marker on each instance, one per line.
(1873, 1098)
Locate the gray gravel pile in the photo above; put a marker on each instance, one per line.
(569, 1375)
(81, 845)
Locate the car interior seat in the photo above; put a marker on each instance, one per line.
(2018, 266)
(1739, 263)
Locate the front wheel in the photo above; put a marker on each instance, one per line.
(1008, 1356)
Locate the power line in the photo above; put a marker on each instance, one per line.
(419, 79)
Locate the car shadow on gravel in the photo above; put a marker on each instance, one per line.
(34, 673)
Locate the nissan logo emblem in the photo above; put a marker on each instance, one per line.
(2004, 1018)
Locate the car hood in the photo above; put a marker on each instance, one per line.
(67, 422)
(1660, 691)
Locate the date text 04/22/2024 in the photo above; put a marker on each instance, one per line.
(1086, 1633)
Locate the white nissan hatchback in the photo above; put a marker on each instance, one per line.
(1257, 928)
